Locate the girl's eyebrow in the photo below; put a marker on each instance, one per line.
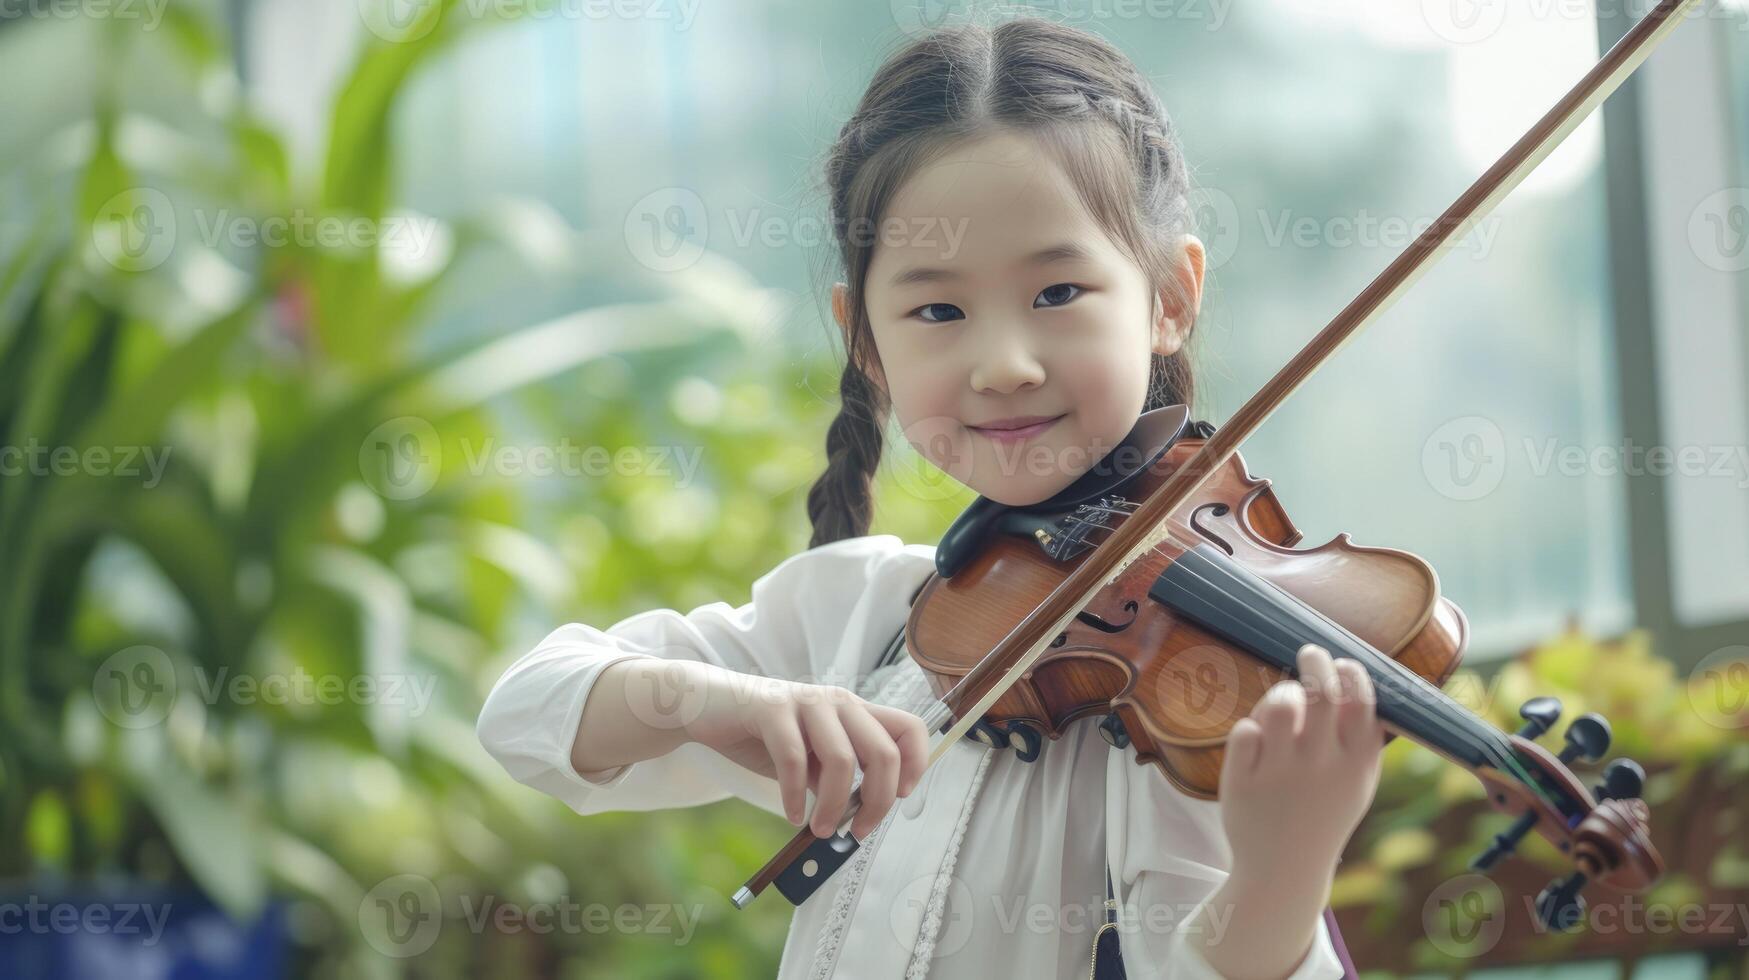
(1060, 252)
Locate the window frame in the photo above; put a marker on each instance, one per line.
(1638, 315)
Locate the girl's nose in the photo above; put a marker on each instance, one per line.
(1005, 366)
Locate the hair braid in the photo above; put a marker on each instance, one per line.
(841, 503)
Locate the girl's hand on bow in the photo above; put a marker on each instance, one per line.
(1300, 772)
(815, 737)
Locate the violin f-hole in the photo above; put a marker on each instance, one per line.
(1106, 626)
(1197, 525)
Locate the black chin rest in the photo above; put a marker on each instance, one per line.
(1153, 433)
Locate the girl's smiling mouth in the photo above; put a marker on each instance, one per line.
(1016, 429)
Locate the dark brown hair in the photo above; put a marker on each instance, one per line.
(1089, 106)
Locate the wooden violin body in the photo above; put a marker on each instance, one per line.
(1176, 686)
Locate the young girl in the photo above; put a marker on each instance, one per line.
(1011, 207)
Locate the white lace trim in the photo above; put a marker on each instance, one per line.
(925, 948)
(831, 939)
(900, 684)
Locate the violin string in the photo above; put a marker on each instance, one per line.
(1456, 713)
(1480, 736)
(1429, 712)
(1439, 707)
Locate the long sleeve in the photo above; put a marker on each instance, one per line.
(806, 620)
(1170, 855)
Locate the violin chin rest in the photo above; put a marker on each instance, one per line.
(1153, 434)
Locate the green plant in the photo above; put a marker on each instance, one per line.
(271, 548)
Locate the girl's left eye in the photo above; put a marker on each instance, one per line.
(1060, 298)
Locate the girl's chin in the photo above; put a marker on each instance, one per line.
(1012, 491)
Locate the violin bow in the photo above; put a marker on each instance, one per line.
(1148, 526)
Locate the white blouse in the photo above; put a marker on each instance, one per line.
(992, 867)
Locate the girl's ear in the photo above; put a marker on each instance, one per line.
(841, 313)
(1176, 309)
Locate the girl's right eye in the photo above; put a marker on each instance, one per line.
(954, 315)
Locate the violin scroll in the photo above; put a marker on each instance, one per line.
(1605, 830)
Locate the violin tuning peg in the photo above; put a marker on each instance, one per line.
(1540, 715)
(985, 733)
(1111, 729)
(1587, 738)
(1623, 779)
(1560, 906)
(1504, 843)
(1024, 740)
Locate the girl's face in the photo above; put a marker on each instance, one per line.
(997, 301)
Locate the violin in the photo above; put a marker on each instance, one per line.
(1163, 591)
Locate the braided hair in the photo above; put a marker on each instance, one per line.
(1089, 106)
